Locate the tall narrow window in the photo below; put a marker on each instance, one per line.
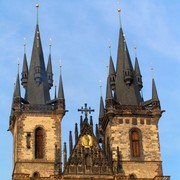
(135, 143)
(39, 143)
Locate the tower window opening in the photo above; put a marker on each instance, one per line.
(39, 143)
(135, 143)
(132, 177)
(35, 175)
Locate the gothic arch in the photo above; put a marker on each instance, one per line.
(132, 177)
(39, 143)
(135, 137)
(35, 176)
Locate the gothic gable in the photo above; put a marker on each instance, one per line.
(87, 157)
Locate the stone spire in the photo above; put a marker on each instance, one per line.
(70, 142)
(17, 91)
(65, 154)
(112, 73)
(108, 90)
(76, 133)
(137, 71)
(138, 74)
(24, 73)
(101, 108)
(37, 85)
(126, 87)
(154, 91)
(61, 89)
(49, 69)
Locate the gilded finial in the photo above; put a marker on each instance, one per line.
(109, 46)
(37, 7)
(24, 45)
(50, 45)
(100, 85)
(119, 14)
(135, 49)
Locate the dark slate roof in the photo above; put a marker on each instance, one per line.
(101, 108)
(25, 65)
(37, 86)
(154, 91)
(125, 94)
(61, 89)
(49, 65)
(17, 91)
(111, 66)
(136, 68)
(108, 90)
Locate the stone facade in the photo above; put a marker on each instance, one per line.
(23, 126)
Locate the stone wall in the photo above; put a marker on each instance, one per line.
(24, 156)
(149, 163)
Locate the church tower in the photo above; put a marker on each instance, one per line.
(35, 120)
(129, 125)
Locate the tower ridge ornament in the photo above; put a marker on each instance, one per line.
(86, 110)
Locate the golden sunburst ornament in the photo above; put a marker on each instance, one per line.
(87, 141)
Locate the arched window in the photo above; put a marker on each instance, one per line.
(132, 177)
(35, 175)
(135, 138)
(39, 143)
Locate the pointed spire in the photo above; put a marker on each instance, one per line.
(101, 108)
(126, 89)
(61, 90)
(137, 71)
(24, 73)
(97, 132)
(81, 123)
(154, 91)
(65, 154)
(17, 91)
(91, 121)
(108, 90)
(49, 68)
(37, 86)
(112, 73)
(76, 133)
(70, 142)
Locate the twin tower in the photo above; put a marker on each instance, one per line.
(125, 144)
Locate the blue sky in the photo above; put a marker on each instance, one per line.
(80, 31)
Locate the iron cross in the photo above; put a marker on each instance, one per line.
(86, 110)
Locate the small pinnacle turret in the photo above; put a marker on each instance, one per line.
(108, 90)
(70, 142)
(61, 89)
(65, 153)
(138, 74)
(17, 91)
(101, 108)
(112, 73)
(24, 73)
(49, 72)
(154, 91)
